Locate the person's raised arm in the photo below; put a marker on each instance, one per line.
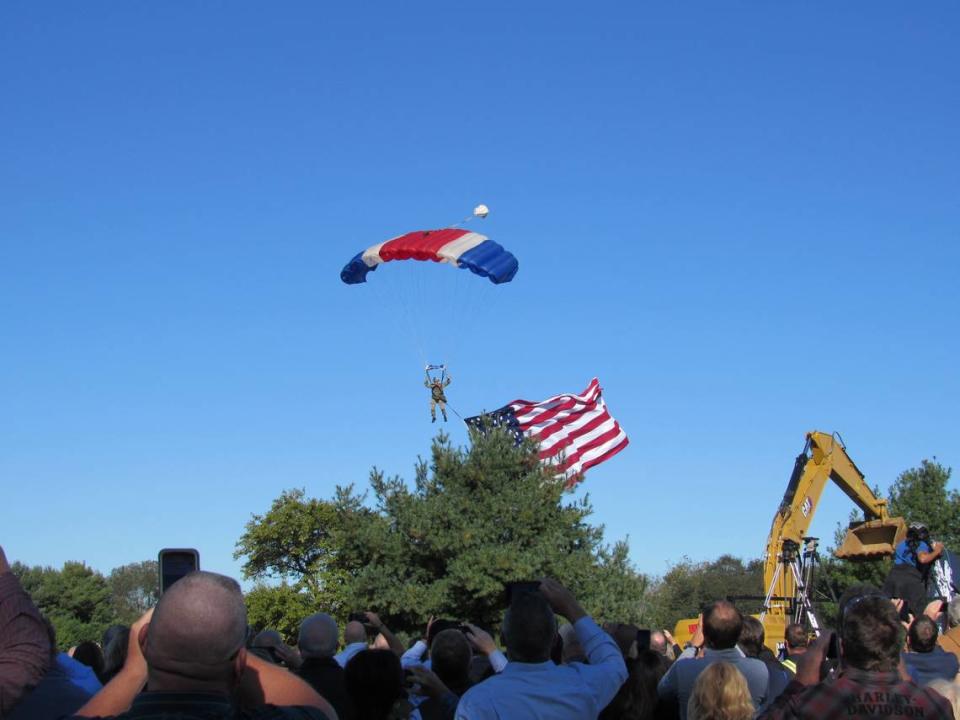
(426, 683)
(606, 670)
(117, 695)
(289, 655)
(928, 557)
(25, 652)
(264, 683)
(395, 645)
(785, 706)
(414, 656)
(482, 641)
(674, 645)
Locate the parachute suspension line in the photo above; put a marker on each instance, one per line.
(406, 314)
(419, 305)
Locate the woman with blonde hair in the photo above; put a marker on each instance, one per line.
(720, 693)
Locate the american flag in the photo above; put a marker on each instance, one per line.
(574, 432)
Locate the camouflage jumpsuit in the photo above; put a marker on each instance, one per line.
(436, 386)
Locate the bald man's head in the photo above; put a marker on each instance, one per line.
(658, 642)
(722, 623)
(318, 636)
(354, 632)
(197, 629)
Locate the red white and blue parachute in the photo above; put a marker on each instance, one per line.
(456, 246)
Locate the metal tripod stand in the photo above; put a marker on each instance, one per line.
(800, 564)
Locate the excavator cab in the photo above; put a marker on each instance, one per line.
(872, 540)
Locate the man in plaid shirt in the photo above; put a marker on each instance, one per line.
(869, 683)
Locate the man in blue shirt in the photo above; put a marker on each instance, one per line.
(722, 625)
(907, 577)
(531, 686)
(926, 660)
(354, 640)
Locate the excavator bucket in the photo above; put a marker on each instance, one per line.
(872, 540)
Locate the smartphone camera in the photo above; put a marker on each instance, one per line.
(175, 563)
(512, 590)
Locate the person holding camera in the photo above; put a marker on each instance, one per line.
(531, 685)
(356, 633)
(190, 653)
(911, 564)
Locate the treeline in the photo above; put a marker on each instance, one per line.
(81, 603)
(444, 545)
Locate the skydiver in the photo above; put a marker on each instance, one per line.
(436, 386)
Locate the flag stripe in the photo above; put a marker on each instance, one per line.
(577, 435)
(604, 434)
(602, 454)
(573, 432)
(532, 413)
(568, 426)
(588, 395)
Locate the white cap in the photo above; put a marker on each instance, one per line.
(481, 211)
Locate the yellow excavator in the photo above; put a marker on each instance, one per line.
(791, 553)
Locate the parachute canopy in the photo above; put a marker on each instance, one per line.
(460, 248)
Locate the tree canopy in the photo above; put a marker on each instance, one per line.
(75, 599)
(81, 603)
(688, 586)
(472, 520)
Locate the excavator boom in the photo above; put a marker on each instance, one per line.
(824, 458)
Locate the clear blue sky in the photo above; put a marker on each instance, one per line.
(742, 217)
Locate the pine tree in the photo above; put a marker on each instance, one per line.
(472, 520)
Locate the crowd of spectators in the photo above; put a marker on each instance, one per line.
(193, 656)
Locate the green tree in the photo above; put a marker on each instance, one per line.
(134, 589)
(617, 592)
(473, 520)
(295, 542)
(687, 586)
(76, 600)
(920, 494)
(279, 608)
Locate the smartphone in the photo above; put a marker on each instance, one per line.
(643, 640)
(175, 563)
(513, 589)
